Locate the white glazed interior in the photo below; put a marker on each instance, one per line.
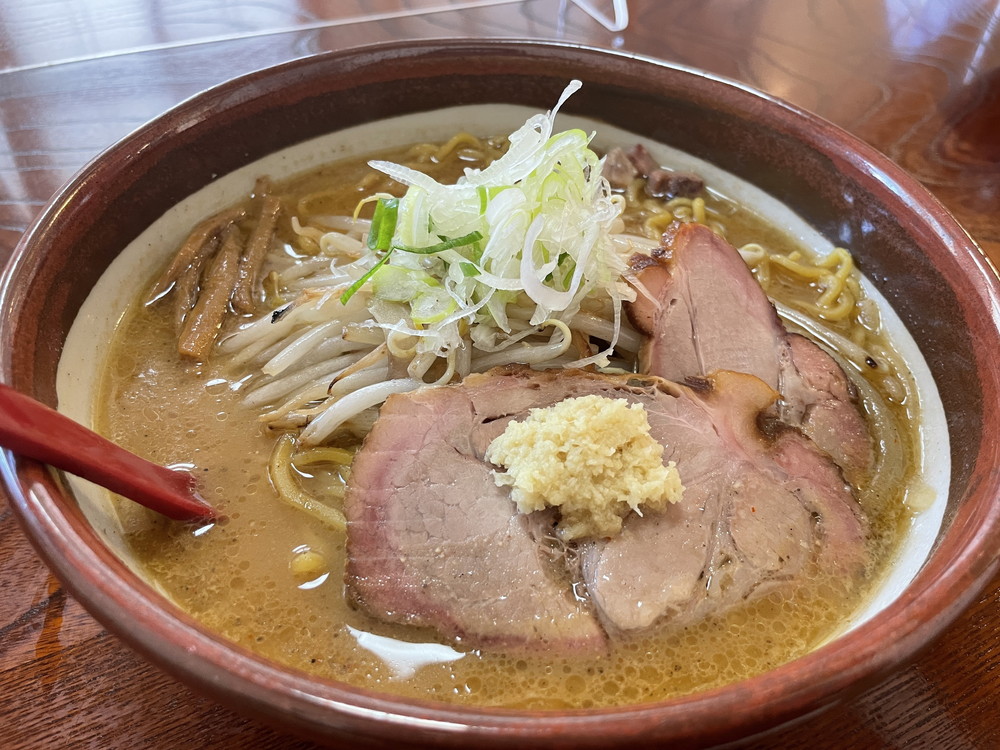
(83, 357)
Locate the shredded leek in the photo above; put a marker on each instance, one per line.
(353, 288)
(445, 244)
(383, 224)
(532, 226)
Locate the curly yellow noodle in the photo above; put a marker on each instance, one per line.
(323, 455)
(698, 210)
(855, 286)
(842, 274)
(753, 252)
(763, 274)
(459, 139)
(759, 260)
(657, 224)
(422, 152)
(841, 311)
(680, 202)
(280, 470)
(838, 257)
(718, 227)
(632, 192)
(835, 287)
(801, 270)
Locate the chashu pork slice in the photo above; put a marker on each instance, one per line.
(705, 312)
(432, 541)
(760, 511)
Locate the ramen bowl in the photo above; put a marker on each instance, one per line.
(943, 292)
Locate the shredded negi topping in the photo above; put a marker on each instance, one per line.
(534, 224)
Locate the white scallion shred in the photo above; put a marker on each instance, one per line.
(545, 215)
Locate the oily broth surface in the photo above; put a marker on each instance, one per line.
(237, 577)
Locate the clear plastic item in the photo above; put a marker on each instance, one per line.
(617, 20)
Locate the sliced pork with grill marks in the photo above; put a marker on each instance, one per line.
(707, 313)
(433, 541)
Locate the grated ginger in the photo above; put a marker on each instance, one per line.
(592, 457)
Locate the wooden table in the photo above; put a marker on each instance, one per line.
(919, 80)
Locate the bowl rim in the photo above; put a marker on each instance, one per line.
(959, 567)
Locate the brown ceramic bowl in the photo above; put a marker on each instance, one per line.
(915, 253)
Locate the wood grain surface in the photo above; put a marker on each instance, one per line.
(918, 79)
